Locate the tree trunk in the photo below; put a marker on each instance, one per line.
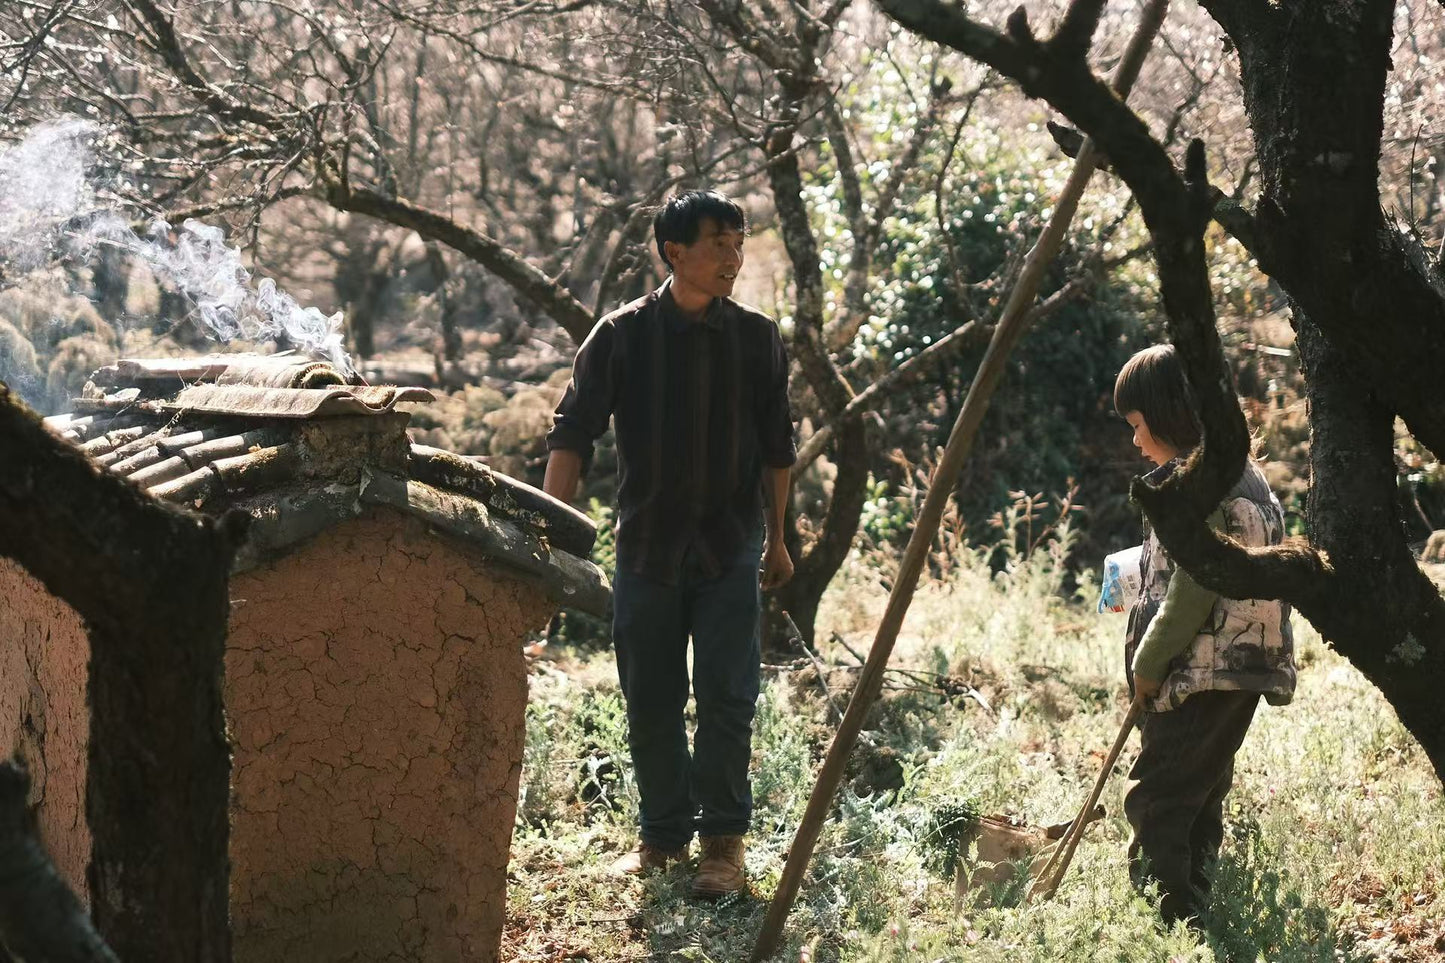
(801, 596)
(1389, 620)
(815, 569)
(451, 334)
(363, 312)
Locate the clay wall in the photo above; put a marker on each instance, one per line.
(375, 698)
(45, 712)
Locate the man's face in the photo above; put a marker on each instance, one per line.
(712, 262)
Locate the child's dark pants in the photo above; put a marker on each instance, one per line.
(707, 790)
(1175, 799)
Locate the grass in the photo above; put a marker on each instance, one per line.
(1336, 846)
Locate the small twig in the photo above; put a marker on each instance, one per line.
(796, 637)
(851, 651)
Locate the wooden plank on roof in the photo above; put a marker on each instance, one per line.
(256, 402)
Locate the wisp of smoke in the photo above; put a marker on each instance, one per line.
(43, 187)
(197, 261)
(49, 206)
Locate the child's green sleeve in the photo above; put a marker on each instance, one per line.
(1181, 615)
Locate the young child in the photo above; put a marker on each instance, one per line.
(1198, 662)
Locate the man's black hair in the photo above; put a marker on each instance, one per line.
(680, 219)
(1152, 383)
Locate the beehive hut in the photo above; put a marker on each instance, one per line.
(374, 680)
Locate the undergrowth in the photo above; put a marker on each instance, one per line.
(1005, 697)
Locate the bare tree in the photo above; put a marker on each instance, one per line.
(435, 119)
(558, 127)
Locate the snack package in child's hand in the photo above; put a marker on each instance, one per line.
(1121, 580)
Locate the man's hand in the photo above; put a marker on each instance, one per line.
(777, 565)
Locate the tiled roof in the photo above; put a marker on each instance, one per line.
(297, 447)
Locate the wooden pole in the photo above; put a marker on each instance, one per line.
(1011, 326)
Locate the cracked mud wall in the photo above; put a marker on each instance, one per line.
(375, 696)
(45, 712)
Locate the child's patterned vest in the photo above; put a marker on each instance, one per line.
(1244, 644)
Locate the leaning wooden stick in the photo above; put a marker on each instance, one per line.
(1011, 326)
(1047, 881)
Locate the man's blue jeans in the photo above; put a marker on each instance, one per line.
(707, 790)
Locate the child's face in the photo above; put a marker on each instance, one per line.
(1155, 450)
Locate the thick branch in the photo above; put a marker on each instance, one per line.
(1176, 210)
(753, 37)
(1228, 212)
(527, 280)
(1076, 30)
(1314, 86)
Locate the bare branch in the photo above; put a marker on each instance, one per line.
(179, 215)
(553, 298)
(168, 43)
(867, 229)
(1176, 209)
(30, 47)
(1076, 30)
(955, 342)
(754, 38)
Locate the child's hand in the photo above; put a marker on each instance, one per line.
(1146, 688)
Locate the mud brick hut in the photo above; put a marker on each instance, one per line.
(374, 684)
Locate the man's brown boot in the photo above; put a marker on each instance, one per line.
(721, 870)
(644, 858)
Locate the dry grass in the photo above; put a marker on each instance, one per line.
(1337, 825)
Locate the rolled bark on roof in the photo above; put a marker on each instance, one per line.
(126, 371)
(151, 449)
(565, 527)
(77, 428)
(175, 443)
(108, 441)
(281, 372)
(122, 452)
(133, 463)
(196, 487)
(291, 402)
(570, 580)
(258, 469)
(161, 472)
(228, 446)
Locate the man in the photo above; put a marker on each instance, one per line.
(698, 386)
